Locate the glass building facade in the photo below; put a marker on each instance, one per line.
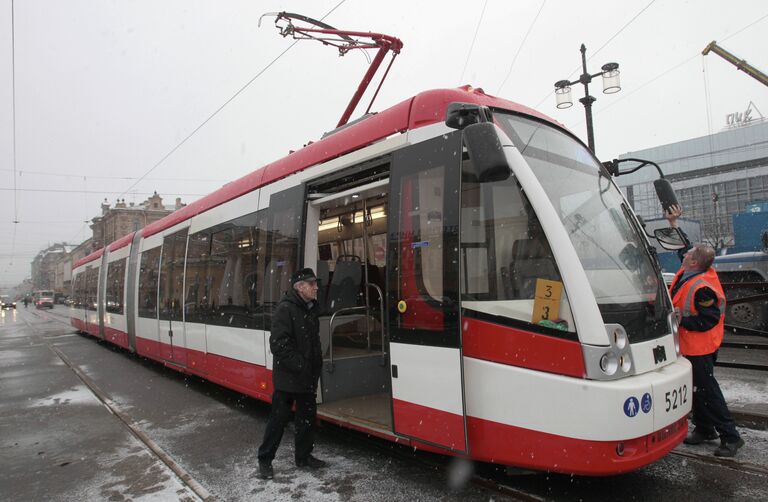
(715, 177)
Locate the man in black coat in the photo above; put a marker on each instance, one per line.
(296, 364)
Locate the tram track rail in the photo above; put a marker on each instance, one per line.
(723, 462)
(498, 479)
(183, 476)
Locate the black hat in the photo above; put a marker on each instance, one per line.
(305, 274)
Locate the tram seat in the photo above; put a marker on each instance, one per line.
(323, 276)
(344, 290)
(532, 259)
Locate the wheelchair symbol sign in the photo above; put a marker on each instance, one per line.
(646, 403)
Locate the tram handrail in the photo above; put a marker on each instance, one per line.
(381, 322)
(356, 309)
(330, 331)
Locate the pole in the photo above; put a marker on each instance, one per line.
(587, 100)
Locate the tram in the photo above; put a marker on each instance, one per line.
(488, 291)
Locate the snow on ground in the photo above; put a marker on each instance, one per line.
(739, 392)
(77, 395)
(132, 473)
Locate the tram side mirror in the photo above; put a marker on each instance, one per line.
(487, 160)
(665, 193)
(669, 238)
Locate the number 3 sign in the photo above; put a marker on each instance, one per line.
(546, 302)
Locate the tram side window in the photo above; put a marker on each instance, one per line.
(423, 229)
(82, 293)
(172, 275)
(116, 287)
(77, 290)
(91, 287)
(148, 274)
(235, 272)
(197, 298)
(284, 231)
(504, 251)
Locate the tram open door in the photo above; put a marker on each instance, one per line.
(423, 294)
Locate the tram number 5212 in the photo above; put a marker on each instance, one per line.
(676, 397)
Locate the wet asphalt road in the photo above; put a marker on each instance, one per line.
(58, 442)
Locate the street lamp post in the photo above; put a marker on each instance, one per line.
(611, 84)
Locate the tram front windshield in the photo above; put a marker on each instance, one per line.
(625, 283)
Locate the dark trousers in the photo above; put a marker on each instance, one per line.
(710, 412)
(280, 415)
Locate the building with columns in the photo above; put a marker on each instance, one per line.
(122, 219)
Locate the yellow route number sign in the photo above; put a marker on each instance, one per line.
(546, 301)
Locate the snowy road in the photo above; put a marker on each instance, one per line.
(59, 442)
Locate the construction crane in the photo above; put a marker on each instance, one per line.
(738, 63)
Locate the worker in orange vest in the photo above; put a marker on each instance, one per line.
(697, 293)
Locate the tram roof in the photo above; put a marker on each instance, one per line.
(424, 109)
(421, 110)
(91, 257)
(121, 242)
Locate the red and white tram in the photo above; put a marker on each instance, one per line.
(490, 293)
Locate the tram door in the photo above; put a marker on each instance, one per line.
(423, 293)
(171, 290)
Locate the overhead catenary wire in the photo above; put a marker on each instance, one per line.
(124, 178)
(472, 45)
(522, 44)
(220, 108)
(594, 53)
(58, 190)
(666, 72)
(13, 127)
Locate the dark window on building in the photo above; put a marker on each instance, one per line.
(148, 273)
(116, 287)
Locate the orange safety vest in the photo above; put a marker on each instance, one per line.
(699, 343)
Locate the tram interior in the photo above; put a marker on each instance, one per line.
(351, 270)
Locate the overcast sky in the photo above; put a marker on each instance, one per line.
(105, 89)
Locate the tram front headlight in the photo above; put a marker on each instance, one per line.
(620, 338)
(609, 363)
(625, 362)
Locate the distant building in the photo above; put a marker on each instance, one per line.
(115, 222)
(63, 271)
(81, 250)
(715, 177)
(52, 267)
(44, 266)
